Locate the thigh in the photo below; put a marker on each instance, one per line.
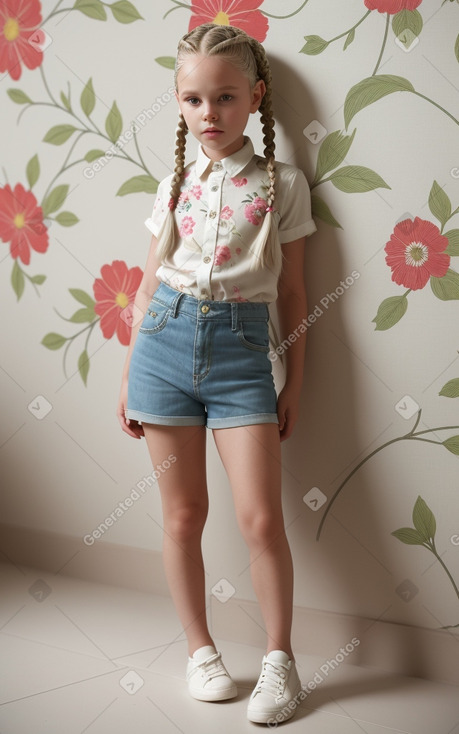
(251, 456)
(183, 484)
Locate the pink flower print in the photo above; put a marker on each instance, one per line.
(196, 191)
(238, 250)
(255, 211)
(187, 226)
(226, 213)
(237, 293)
(184, 197)
(222, 254)
(239, 181)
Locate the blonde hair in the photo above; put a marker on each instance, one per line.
(248, 55)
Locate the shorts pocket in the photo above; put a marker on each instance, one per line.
(254, 335)
(155, 318)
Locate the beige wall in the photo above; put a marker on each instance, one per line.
(66, 471)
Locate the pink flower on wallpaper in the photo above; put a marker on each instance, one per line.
(415, 251)
(21, 222)
(187, 226)
(114, 293)
(255, 211)
(392, 6)
(226, 213)
(243, 14)
(21, 39)
(239, 181)
(222, 254)
(196, 191)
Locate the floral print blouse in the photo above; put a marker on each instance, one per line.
(219, 215)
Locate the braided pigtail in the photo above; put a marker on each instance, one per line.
(167, 237)
(267, 251)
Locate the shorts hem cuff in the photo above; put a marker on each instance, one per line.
(166, 420)
(242, 420)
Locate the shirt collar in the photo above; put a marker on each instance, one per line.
(233, 164)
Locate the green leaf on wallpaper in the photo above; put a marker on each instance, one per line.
(439, 203)
(92, 155)
(357, 179)
(38, 279)
(410, 536)
(407, 25)
(18, 96)
(137, 184)
(424, 520)
(372, 89)
(321, 210)
(114, 123)
(390, 312)
(447, 287)
(88, 98)
(332, 151)
(452, 444)
(92, 8)
(349, 38)
(83, 365)
(451, 389)
(124, 12)
(83, 316)
(456, 48)
(55, 199)
(167, 61)
(53, 341)
(33, 171)
(17, 280)
(66, 219)
(59, 134)
(453, 238)
(66, 102)
(314, 45)
(82, 297)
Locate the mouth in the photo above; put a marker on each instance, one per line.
(212, 131)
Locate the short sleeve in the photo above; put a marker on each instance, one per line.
(296, 218)
(158, 214)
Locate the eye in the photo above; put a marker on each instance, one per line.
(193, 101)
(226, 97)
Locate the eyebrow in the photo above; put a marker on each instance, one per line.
(220, 89)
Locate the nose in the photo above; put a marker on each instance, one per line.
(209, 112)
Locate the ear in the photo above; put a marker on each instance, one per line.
(258, 92)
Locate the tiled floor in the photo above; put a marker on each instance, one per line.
(79, 657)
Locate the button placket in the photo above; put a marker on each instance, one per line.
(210, 239)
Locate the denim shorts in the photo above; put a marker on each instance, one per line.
(201, 362)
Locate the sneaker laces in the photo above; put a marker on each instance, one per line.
(212, 667)
(272, 679)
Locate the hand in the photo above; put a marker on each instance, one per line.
(287, 412)
(131, 427)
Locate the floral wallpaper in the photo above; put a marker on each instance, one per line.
(415, 266)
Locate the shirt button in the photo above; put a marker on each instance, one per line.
(214, 188)
(212, 214)
(205, 308)
(217, 167)
(207, 259)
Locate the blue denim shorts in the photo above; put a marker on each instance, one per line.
(201, 362)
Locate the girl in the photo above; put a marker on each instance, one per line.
(199, 355)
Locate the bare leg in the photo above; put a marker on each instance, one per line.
(185, 504)
(252, 459)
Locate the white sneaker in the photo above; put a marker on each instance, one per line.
(274, 697)
(208, 679)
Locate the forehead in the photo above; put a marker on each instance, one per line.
(209, 72)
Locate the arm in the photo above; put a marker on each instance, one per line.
(147, 287)
(292, 309)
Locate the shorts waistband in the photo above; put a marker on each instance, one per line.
(208, 309)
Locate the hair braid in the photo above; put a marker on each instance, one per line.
(266, 116)
(180, 146)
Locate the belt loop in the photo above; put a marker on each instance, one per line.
(175, 304)
(234, 314)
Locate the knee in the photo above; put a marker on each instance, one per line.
(261, 529)
(186, 521)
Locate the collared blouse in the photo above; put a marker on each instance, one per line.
(219, 215)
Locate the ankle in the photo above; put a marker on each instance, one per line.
(198, 643)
